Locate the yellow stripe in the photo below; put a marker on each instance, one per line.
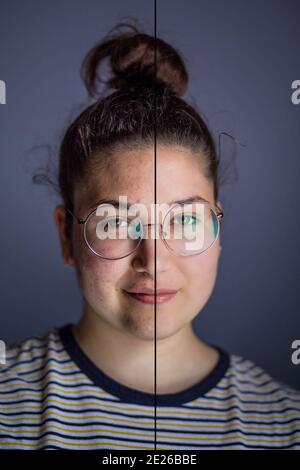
(241, 387)
(217, 394)
(38, 363)
(46, 340)
(81, 418)
(89, 417)
(248, 376)
(65, 379)
(99, 430)
(65, 392)
(7, 386)
(75, 391)
(23, 356)
(92, 444)
(245, 440)
(85, 431)
(178, 413)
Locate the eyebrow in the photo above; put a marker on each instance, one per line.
(116, 202)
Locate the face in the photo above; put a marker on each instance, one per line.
(105, 283)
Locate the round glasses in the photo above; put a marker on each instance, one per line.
(187, 229)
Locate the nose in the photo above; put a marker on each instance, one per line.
(145, 255)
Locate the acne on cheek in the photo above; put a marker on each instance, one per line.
(92, 282)
(97, 274)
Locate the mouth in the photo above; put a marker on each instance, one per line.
(159, 298)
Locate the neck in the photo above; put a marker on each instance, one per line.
(182, 359)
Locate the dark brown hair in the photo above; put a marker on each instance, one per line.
(149, 79)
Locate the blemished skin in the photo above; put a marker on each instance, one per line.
(116, 331)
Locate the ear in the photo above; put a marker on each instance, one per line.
(60, 215)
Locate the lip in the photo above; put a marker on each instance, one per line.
(151, 291)
(148, 296)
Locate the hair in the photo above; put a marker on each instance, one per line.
(149, 78)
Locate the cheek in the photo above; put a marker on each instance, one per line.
(201, 271)
(98, 277)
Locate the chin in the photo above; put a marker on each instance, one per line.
(144, 328)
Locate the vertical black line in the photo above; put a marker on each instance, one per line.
(155, 401)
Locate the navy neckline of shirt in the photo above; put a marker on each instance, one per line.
(130, 395)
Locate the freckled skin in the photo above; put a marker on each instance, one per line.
(102, 281)
(116, 331)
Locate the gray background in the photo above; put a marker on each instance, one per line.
(242, 57)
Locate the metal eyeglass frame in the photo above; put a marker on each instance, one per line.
(219, 215)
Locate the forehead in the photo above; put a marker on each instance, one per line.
(172, 173)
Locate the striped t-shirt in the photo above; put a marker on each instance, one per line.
(52, 396)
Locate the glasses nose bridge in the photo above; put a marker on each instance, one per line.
(147, 225)
(158, 234)
(158, 223)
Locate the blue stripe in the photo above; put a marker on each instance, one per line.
(33, 359)
(172, 431)
(51, 382)
(204, 409)
(187, 446)
(130, 439)
(57, 371)
(96, 398)
(77, 438)
(187, 421)
(22, 351)
(234, 385)
(232, 376)
(49, 336)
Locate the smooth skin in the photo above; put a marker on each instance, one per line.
(116, 331)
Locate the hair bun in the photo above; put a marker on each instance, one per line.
(132, 61)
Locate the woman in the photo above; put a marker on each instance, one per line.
(96, 384)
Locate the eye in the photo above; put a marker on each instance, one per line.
(114, 222)
(130, 226)
(187, 219)
(121, 222)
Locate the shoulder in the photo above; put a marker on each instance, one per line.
(257, 389)
(251, 408)
(28, 360)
